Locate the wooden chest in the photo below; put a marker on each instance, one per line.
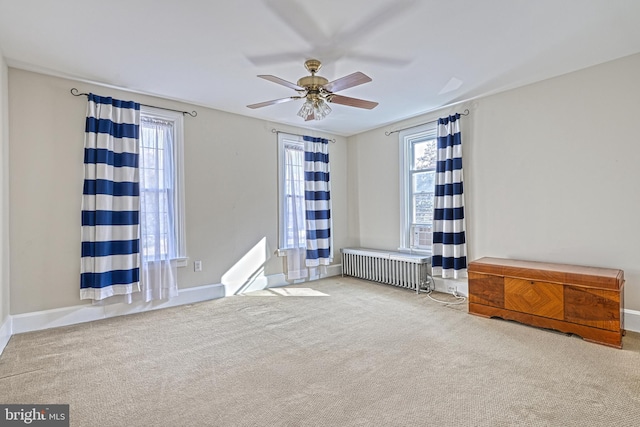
(585, 301)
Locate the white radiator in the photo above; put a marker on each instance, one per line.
(405, 270)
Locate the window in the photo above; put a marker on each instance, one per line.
(418, 149)
(161, 185)
(291, 191)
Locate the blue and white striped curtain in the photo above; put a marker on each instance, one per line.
(317, 197)
(110, 262)
(449, 241)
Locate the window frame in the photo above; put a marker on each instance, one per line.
(177, 119)
(407, 140)
(283, 140)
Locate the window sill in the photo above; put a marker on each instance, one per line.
(180, 262)
(426, 252)
(286, 252)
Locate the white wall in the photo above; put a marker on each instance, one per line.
(4, 194)
(230, 180)
(551, 173)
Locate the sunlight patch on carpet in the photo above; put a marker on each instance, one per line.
(286, 292)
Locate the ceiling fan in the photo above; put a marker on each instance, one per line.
(318, 92)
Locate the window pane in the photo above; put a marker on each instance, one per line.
(148, 249)
(156, 204)
(424, 182)
(164, 244)
(146, 201)
(148, 178)
(149, 157)
(294, 234)
(424, 154)
(423, 208)
(418, 164)
(163, 205)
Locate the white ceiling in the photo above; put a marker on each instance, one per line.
(421, 55)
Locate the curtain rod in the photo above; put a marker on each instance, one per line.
(274, 130)
(465, 113)
(194, 113)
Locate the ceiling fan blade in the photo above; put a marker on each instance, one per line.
(275, 58)
(377, 19)
(281, 81)
(275, 101)
(346, 82)
(299, 20)
(375, 59)
(352, 102)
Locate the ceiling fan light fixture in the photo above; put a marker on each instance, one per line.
(306, 110)
(321, 109)
(314, 109)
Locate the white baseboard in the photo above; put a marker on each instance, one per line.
(632, 320)
(442, 285)
(631, 317)
(65, 316)
(6, 330)
(277, 280)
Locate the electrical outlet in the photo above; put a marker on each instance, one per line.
(197, 266)
(452, 289)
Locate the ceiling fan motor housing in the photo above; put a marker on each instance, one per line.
(312, 83)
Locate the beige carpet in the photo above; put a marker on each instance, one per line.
(363, 355)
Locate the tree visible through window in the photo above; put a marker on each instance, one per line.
(418, 166)
(423, 177)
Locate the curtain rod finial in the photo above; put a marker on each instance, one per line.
(76, 92)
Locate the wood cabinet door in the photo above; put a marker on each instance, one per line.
(486, 289)
(539, 298)
(598, 308)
